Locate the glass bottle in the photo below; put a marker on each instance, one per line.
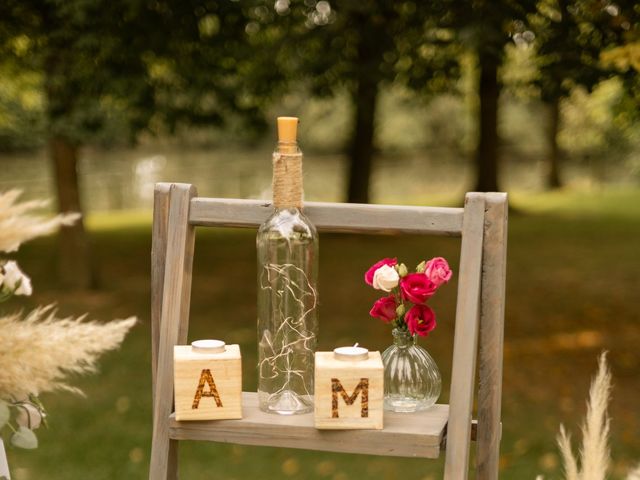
(412, 380)
(287, 246)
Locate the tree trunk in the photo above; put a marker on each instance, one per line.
(361, 151)
(553, 166)
(74, 260)
(487, 161)
(364, 96)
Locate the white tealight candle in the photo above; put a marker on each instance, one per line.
(351, 353)
(208, 346)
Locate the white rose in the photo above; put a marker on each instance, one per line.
(385, 278)
(14, 277)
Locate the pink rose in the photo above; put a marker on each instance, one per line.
(368, 277)
(420, 320)
(384, 309)
(417, 288)
(437, 270)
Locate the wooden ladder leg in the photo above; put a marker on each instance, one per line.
(158, 258)
(465, 340)
(174, 317)
(492, 337)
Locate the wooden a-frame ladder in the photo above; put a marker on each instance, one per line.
(479, 320)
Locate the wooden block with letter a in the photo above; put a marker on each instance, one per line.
(208, 382)
(348, 393)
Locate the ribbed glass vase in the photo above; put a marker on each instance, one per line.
(412, 380)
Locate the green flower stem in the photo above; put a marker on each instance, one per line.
(399, 321)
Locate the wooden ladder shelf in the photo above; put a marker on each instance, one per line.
(418, 435)
(482, 223)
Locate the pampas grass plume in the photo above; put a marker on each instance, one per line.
(18, 223)
(39, 353)
(634, 474)
(594, 454)
(569, 461)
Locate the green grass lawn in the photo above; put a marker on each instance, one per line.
(573, 282)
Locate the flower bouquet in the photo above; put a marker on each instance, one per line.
(412, 380)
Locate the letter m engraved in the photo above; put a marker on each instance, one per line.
(336, 387)
(206, 377)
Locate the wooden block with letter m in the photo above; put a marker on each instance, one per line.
(348, 393)
(207, 381)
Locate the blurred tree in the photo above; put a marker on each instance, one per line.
(127, 62)
(87, 54)
(361, 47)
(21, 119)
(624, 57)
(211, 68)
(570, 36)
(485, 27)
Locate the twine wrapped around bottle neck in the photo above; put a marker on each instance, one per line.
(287, 179)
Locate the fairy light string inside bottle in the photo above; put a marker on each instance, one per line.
(287, 166)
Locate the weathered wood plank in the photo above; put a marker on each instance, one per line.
(474, 433)
(158, 253)
(173, 326)
(333, 217)
(405, 435)
(491, 336)
(465, 340)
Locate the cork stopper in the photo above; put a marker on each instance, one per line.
(287, 129)
(287, 166)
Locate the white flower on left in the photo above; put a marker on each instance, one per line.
(12, 279)
(385, 278)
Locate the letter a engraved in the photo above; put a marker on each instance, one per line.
(336, 387)
(206, 377)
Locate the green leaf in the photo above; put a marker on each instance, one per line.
(421, 267)
(24, 438)
(4, 413)
(5, 295)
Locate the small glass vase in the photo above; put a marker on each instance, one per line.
(412, 380)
